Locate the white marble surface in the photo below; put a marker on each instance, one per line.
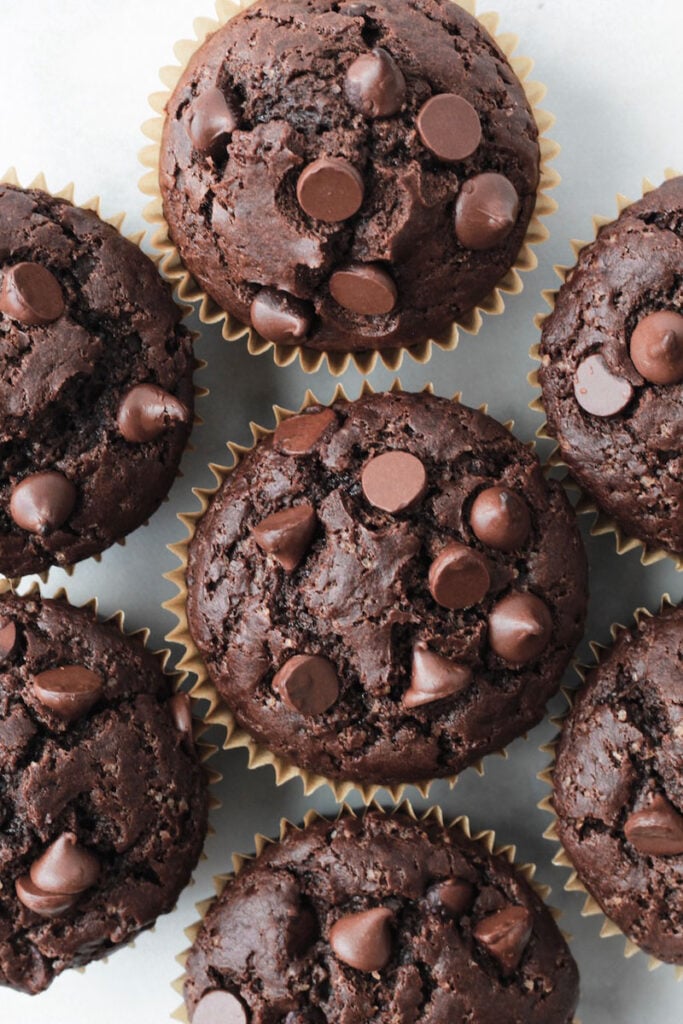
(74, 77)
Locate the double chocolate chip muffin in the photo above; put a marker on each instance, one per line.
(618, 784)
(96, 395)
(103, 803)
(612, 369)
(384, 919)
(388, 589)
(348, 175)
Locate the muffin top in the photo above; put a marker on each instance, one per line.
(379, 918)
(387, 589)
(103, 803)
(349, 175)
(96, 391)
(612, 368)
(619, 784)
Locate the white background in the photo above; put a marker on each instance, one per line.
(74, 81)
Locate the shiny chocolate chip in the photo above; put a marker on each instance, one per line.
(500, 519)
(599, 391)
(70, 690)
(364, 288)
(65, 867)
(298, 434)
(31, 294)
(42, 502)
(434, 677)
(212, 121)
(147, 411)
(307, 684)
(280, 317)
(374, 84)
(657, 830)
(363, 940)
(459, 577)
(287, 535)
(486, 211)
(520, 628)
(505, 935)
(657, 347)
(330, 189)
(449, 127)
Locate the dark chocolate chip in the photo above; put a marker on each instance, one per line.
(394, 481)
(8, 639)
(330, 189)
(65, 867)
(298, 434)
(375, 85)
(46, 904)
(180, 707)
(486, 211)
(599, 391)
(307, 684)
(287, 535)
(505, 935)
(147, 411)
(520, 627)
(70, 690)
(657, 347)
(459, 577)
(449, 127)
(219, 1007)
(364, 288)
(434, 677)
(500, 519)
(454, 897)
(212, 121)
(656, 830)
(31, 294)
(42, 502)
(280, 317)
(363, 940)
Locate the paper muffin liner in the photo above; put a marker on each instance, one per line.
(487, 837)
(10, 177)
(191, 660)
(364, 361)
(602, 522)
(591, 907)
(177, 679)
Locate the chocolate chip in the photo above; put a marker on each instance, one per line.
(298, 434)
(307, 684)
(454, 896)
(486, 211)
(434, 677)
(65, 868)
(70, 690)
(180, 707)
(599, 391)
(505, 935)
(31, 294)
(212, 121)
(500, 519)
(657, 347)
(330, 189)
(45, 904)
(8, 639)
(657, 830)
(219, 1007)
(280, 317)
(375, 85)
(520, 627)
(394, 481)
(147, 411)
(363, 940)
(459, 577)
(42, 502)
(364, 288)
(287, 535)
(449, 127)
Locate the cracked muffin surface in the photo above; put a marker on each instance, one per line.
(387, 589)
(379, 918)
(103, 803)
(348, 176)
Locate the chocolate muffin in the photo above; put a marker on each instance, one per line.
(618, 784)
(96, 392)
(348, 176)
(612, 369)
(379, 918)
(103, 804)
(388, 589)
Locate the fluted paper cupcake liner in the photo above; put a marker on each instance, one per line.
(602, 522)
(338, 362)
(487, 837)
(94, 204)
(591, 907)
(191, 660)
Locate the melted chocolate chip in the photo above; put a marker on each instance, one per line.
(287, 535)
(657, 830)
(505, 935)
(363, 940)
(180, 707)
(65, 868)
(42, 502)
(486, 211)
(70, 690)
(280, 317)
(45, 904)
(147, 411)
(459, 577)
(434, 677)
(374, 84)
(212, 121)
(453, 897)
(364, 288)
(307, 684)
(31, 294)
(657, 347)
(8, 639)
(500, 519)
(298, 434)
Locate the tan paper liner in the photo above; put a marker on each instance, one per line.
(338, 362)
(10, 177)
(602, 522)
(206, 750)
(239, 860)
(191, 660)
(591, 907)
